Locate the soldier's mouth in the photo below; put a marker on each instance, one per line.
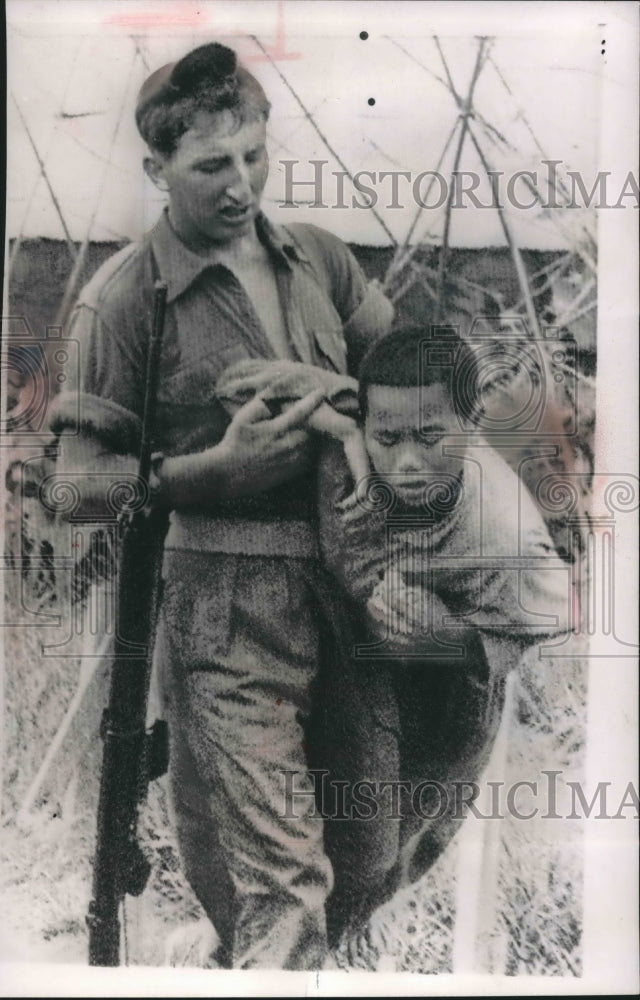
(236, 213)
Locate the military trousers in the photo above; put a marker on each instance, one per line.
(238, 654)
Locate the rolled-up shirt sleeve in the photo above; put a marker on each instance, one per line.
(366, 312)
(371, 319)
(284, 381)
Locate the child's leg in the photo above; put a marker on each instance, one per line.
(353, 739)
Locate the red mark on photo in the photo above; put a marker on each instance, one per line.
(76, 128)
(277, 52)
(183, 15)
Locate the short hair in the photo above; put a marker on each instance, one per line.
(208, 79)
(411, 356)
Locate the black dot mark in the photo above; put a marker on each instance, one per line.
(371, 101)
(365, 34)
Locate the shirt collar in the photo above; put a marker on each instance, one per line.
(280, 241)
(180, 267)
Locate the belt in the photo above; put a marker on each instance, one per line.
(236, 536)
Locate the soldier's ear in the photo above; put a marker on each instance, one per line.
(154, 169)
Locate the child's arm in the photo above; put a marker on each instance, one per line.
(496, 566)
(329, 421)
(525, 601)
(539, 596)
(352, 535)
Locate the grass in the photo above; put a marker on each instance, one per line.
(45, 860)
(45, 873)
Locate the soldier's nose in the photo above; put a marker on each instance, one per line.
(239, 187)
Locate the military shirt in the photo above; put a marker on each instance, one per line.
(330, 313)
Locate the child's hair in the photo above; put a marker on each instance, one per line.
(414, 355)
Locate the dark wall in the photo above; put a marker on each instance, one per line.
(42, 267)
(39, 276)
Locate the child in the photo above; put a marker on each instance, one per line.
(474, 545)
(465, 531)
(447, 552)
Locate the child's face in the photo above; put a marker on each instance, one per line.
(406, 431)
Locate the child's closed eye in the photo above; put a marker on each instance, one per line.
(429, 436)
(386, 438)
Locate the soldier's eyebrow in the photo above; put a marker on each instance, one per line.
(215, 159)
(210, 160)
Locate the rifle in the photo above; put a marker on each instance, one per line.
(132, 755)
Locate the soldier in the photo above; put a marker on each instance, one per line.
(239, 644)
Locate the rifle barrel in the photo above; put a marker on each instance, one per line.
(151, 379)
(119, 866)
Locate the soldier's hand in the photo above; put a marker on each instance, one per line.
(259, 451)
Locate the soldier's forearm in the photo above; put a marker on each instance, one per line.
(221, 473)
(194, 479)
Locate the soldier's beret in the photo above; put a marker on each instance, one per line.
(209, 67)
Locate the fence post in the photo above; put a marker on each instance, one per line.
(476, 947)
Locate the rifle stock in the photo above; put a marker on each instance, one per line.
(132, 755)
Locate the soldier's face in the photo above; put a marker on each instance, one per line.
(406, 433)
(215, 179)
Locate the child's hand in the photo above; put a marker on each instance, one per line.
(396, 607)
(412, 616)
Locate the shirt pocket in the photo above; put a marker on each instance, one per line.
(315, 325)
